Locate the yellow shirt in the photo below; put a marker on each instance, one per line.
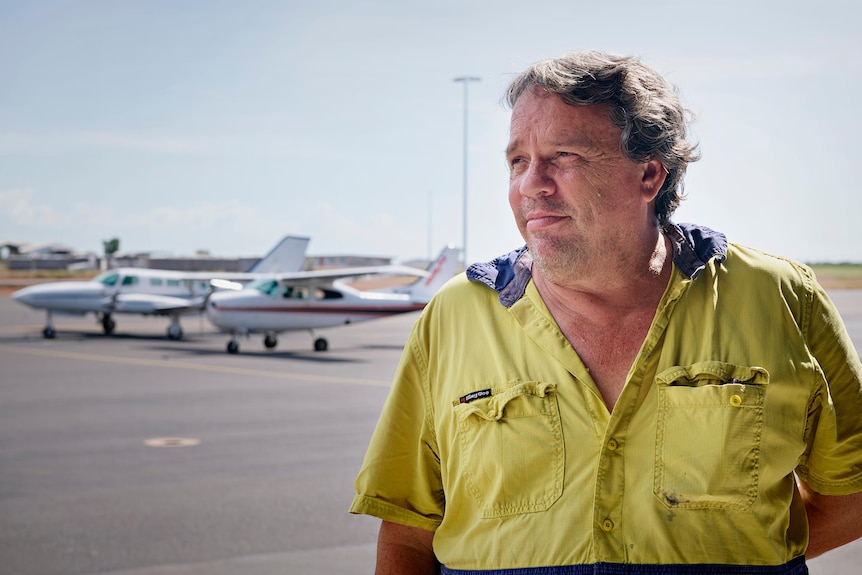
(495, 437)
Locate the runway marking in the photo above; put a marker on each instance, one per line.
(194, 366)
(172, 442)
(18, 329)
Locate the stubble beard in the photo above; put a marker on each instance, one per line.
(558, 260)
(559, 254)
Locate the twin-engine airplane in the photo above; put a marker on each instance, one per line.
(150, 291)
(319, 299)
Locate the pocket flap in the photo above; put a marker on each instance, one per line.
(497, 406)
(713, 372)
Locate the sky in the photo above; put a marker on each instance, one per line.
(217, 125)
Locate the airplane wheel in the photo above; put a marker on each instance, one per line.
(270, 341)
(108, 325)
(49, 333)
(320, 344)
(232, 347)
(175, 332)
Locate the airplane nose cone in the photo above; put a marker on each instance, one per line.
(26, 295)
(212, 310)
(222, 307)
(61, 296)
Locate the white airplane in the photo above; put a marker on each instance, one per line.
(319, 299)
(151, 291)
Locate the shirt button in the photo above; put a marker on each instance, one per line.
(612, 444)
(735, 400)
(607, 525)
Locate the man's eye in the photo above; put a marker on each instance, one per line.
(517, 167)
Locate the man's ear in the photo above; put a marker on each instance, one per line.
(652, 180)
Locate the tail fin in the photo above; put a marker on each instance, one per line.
(288, 255)
(439, 272)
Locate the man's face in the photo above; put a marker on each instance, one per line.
(573, 193)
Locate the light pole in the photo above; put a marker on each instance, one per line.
(466, 81)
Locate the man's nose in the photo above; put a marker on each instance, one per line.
(536, 180)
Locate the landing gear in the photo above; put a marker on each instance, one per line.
(48, 332)
(233, 344)
(175, 330)
(270, 340)
(320, 343)
(108, 324)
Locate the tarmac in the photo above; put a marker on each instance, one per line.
(135, 455)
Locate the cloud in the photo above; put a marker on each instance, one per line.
(223, 227)
(18, 143)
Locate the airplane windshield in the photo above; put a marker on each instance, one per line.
(107, 278)
(265, 286)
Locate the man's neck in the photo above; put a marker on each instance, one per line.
(632, 282)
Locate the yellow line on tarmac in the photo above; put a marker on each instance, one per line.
(192, 366)
(22, 328)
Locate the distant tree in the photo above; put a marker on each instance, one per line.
(202, 252)
(112, 246)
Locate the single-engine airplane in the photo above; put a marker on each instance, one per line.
(151, 291)
(319, 299)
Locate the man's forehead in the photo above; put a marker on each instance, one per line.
(549, 117)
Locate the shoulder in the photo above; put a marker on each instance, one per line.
(458, 294)
(699, 248)
(463, 301)
(758, 283)
(775, 269)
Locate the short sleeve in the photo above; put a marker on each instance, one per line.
(400, 479)
(833, 463)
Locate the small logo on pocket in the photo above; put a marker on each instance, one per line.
(475, 395)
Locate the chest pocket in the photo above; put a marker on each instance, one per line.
(710, 420)
(512, 447)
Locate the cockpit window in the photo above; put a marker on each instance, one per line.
(130, 280)
(295, 292)
(324, 293)
(107, 278)
(264, 286)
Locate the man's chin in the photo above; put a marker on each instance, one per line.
(554, 260)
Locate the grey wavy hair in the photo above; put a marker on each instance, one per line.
(643, 105)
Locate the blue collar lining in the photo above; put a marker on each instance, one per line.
(694, 246)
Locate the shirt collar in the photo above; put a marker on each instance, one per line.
(693, 247)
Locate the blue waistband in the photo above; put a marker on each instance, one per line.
(794, 567)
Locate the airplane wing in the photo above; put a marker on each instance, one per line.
(151, 304)
(318, 277)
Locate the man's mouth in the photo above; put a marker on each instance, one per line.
(540, 220)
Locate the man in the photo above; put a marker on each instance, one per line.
(623, 394)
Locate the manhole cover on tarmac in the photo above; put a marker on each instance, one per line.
(171, 442)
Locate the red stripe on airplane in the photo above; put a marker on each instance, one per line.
(325, 310)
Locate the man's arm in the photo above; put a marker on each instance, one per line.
(403, 550)
(833, 520)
